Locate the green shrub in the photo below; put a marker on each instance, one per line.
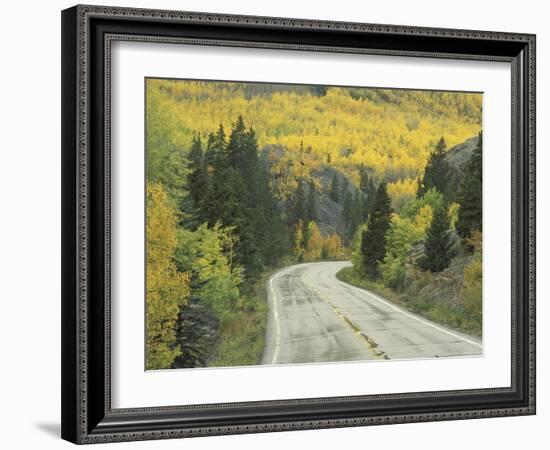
(393, 272)
(471, 293)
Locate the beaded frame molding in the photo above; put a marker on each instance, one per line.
(87, 35)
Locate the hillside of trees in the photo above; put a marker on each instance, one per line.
(427, 255)
(244, 178)
(389, 131)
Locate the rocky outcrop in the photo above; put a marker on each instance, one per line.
(330, 214)
(460, 154)
(442, 287)
(458, 157)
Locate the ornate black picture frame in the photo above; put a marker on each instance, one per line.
(87, 34)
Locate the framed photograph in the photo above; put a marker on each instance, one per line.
(280, 224)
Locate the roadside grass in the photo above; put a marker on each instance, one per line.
(242, 338)
(455, 318)
(242, 332)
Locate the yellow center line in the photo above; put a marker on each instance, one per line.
(371, 345)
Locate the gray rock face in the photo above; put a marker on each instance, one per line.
(460, 154)
(330, 214)
(330, 218)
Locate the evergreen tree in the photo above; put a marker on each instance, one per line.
(271, 232)
(219, 139)
(368, 188)
(237, 145)
(373, 239)
(275, 244)
(357, 214)
(348, 212)
(226, 202)
(239, 196)
(215, 156)
(242, 157)
(210, 152)
(334, 192)
(319, 90)
(352, 212)
(470, 197)
(348, 207)
(197, 179)
(437, 172)
(364, 179)
(300, 212)
(234, 212)
(437, 248)
(311, 203)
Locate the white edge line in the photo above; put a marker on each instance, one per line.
(396, 308)
(276, 319)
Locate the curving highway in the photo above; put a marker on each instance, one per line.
(314, 317)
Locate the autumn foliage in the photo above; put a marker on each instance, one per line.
(310, 245)
(167, 289)
(234, 191)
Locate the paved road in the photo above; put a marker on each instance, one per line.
(314, 317)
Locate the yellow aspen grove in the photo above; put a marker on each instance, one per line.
(402, 192)
(246, 178)
(167, 289)
(333, 247)
(314, 245)
(395, 140)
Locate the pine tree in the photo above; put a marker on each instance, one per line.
(368, 187)
(311, 203)
(470, 196)
(242, 156)
(348, 212)
(235, 212)
(319, 90)
(373, 239)
(216, 156)
(197, 179)
(239, 196)
(437, 248)
(334, 192)
(357, 215)
(210, 152)
(275, 244)
(436, 173)
(237, 145)
(363, 179)
(300, 212)
(353, 213)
